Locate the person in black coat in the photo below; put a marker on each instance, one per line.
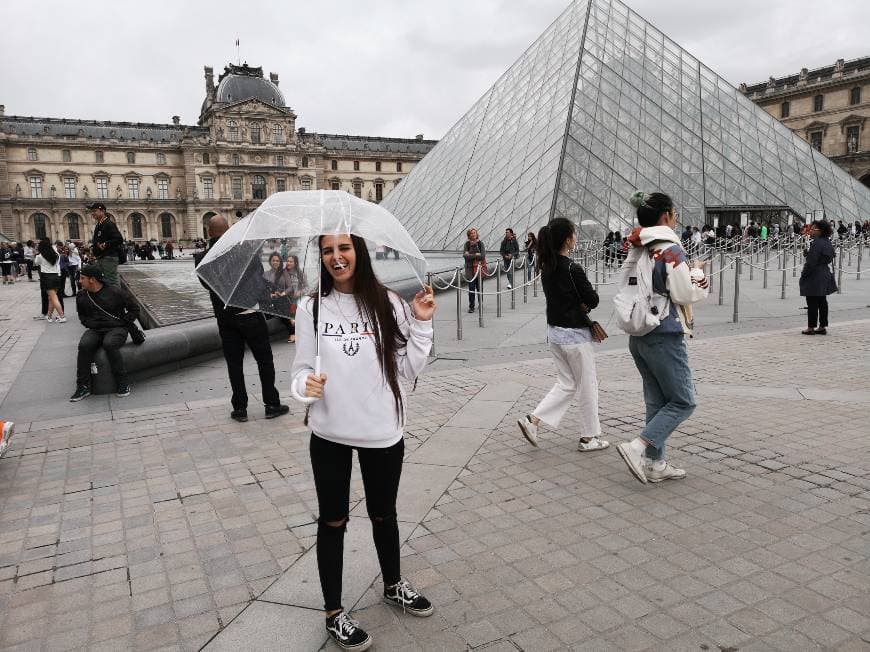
(106, 311)
(106, 243)
(817, 278)
(238, 327)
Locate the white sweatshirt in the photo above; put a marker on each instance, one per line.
(358, 407)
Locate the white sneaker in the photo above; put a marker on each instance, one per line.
(594, 444)
(633, 459)
(39, 317)
(60, 320)
(509, 286)
(529, 430)
(666, 472)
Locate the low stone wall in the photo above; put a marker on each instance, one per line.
(168, 349)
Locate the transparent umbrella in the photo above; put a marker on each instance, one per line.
(241, 266)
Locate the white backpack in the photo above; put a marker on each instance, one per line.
(639, 309)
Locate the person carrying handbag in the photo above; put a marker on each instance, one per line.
(817, 279)
(570, 298)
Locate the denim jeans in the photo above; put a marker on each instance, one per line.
(663, 363)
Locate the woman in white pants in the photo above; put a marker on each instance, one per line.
(570, 298)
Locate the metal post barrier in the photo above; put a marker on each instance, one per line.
(752, 249)
(860, 256)
(459, 276)
(766, 261)
(535, 285)
(721, 276)
(794, 257)
(526, 279)
(498, 290)
(514, 290)
(711, 277)
(850, 256)
(481, 271)
(840, 269)
(782, 265)
(596, 278)
(737, 265)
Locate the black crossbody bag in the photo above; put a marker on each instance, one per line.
(136, 334)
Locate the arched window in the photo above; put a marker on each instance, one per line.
(40, 223)
(72, 225)
(258, 187)
(277, 134)
(136, 226)
(131, 157)
(232, 130)
(166, 226)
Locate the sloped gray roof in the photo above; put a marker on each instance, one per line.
(373, 144)
(29, 126)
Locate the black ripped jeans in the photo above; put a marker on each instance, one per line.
(381, 469)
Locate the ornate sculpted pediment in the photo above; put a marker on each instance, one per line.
(253, 106)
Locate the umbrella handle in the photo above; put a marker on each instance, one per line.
(305, 400)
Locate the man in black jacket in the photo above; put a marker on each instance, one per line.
(106, 244)
(238, 327)
(510, 252)
(106, 311)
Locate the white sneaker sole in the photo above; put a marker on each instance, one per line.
(636, 470)
(416, 612)
(667, 477)
(602, 444)
(530, 437)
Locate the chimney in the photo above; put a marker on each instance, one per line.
(176, 119)
(209, 82)
(419, 136)
(273, 77)
(2, 109)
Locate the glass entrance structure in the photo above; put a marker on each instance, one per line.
(600, 105)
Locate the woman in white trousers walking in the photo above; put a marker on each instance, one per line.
(570, 298)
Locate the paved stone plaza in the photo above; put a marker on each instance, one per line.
(156, 522)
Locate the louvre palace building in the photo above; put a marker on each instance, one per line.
(162, 181)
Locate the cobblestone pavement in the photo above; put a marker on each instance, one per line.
(172, 527)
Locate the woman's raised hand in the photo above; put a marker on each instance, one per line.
(424, 304)
(314, 385)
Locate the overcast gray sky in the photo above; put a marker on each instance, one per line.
(378, 68)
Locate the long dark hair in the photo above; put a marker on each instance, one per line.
(297, 271)
(47, 251)
(276, 273)
(373, 302)
(551, 238)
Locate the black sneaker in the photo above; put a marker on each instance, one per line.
(403, 595)
(239, 415)
(81, 392)
(123, 390)
(347, 633)
(273, 411)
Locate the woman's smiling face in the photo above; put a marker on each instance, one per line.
(275, 262)
(339, 258)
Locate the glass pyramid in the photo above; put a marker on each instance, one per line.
(603, 104)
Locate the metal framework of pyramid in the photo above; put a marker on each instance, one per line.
(601, 105)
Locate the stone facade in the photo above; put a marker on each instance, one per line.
(162, 181)
(828, 107)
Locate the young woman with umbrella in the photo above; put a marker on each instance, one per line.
(370, 340)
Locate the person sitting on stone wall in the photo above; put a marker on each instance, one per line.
(106, 311)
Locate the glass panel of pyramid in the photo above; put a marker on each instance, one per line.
(603, 104)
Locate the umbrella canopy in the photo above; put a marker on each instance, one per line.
(237, 266)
